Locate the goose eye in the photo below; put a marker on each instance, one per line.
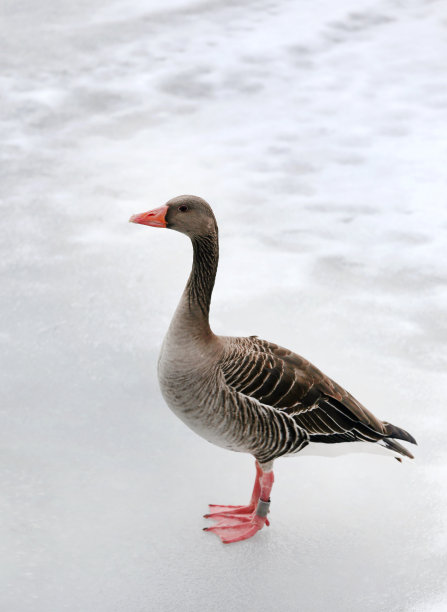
(183, 208)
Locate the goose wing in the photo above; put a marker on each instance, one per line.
(281, 379)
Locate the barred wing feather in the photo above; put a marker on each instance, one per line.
(282, 379)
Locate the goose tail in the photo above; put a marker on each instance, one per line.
(389, 442)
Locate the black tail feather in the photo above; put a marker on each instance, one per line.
(395, 446)
(400, 434)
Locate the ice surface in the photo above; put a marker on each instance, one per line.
(317, 130)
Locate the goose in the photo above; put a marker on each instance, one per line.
(243, 393)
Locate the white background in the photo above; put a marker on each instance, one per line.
(317, 131)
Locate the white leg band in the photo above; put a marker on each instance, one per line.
(263, 508)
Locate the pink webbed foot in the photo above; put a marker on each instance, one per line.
(236, 523)
(232, 529)
(232, 515)
(216, 509)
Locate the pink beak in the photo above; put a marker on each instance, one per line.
(155, 218)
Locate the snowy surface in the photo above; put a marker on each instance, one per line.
(317, 130)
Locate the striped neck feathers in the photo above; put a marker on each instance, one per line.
(201, 280)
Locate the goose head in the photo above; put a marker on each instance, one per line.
(188, 214)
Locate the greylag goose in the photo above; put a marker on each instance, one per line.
(247, 394)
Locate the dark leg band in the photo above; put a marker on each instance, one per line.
(263, 508)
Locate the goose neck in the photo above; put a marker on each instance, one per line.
(200, 284)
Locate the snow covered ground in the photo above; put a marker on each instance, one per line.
(318, 132)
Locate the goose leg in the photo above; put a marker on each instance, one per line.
(236, 523)
(217, 510)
